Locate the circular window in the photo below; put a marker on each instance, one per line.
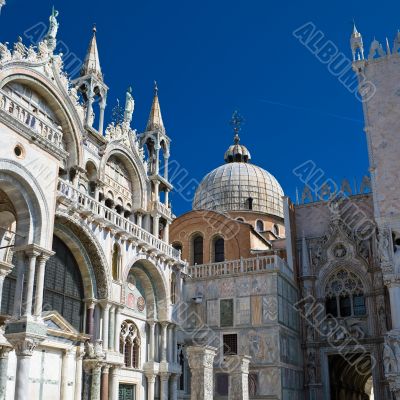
(19, 151)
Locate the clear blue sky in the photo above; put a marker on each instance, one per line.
(212, 57)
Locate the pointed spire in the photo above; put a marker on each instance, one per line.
(355, 31)
(356, 44)
(155, 121)
(387, 47)
(91, 64)
(305, 257)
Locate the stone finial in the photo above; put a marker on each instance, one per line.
(356, 44)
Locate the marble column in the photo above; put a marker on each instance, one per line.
(166, 233)
(201, 360)
(151, 339)
(89, 107)
(101, 117)
(394, 294)
(4, 353)
(116, 329)
(175, 345)
(66, 389)
(156, 225)
(90, 318)
(113, 389)
(164, 326)
(24, 351)
(30, 278)
(173, 387)
(19, 286)
(40, 284)
(96, 382)
(164, 385)
(111, 330)
(151, 380)
(106, 319)
(79, 372)
(139, 220)
(104, 383)
(238, 367)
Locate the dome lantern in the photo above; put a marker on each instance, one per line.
(237, 152)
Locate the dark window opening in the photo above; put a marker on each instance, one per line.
(331, 306)
(359, 304)
(345, 306)
(219, 250)
(198, 250)
(222, 384)
(249, 203)
(226, 312)
(63, 286)
(230, 344)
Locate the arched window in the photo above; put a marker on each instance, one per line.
(173, 288)
(240, 219)
(177, 246)
(219, 249)
(63, 286)
(344, 295)
(129, 344)
(198, 250)
(116, 256)
(259, 226)
(249, 203)
(276, 229)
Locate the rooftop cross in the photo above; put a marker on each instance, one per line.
(236, 122)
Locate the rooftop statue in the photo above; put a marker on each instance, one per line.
(129, 106)
(53, 27)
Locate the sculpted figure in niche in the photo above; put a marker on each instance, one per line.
(396, 256)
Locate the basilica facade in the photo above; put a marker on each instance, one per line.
(105, 294)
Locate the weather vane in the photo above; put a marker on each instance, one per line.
(236, 122)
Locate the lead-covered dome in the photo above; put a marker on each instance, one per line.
(239, 186)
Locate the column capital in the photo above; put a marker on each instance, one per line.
(25, 347)
(151, 377)
(164, 376)
(90, 302)
(237, 364)
(105, 305)
(105, 369)
(164, 324)
(33, 250)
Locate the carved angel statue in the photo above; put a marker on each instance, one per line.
(5, 54)
(389, 360)
(19, 50)
(383, 246)
(129, 106)
(89, 349)
(396, 259)
(98, 349)
(53, 27)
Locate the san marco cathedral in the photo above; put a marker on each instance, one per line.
(106, 294)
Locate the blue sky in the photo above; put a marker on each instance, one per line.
(213, 57)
